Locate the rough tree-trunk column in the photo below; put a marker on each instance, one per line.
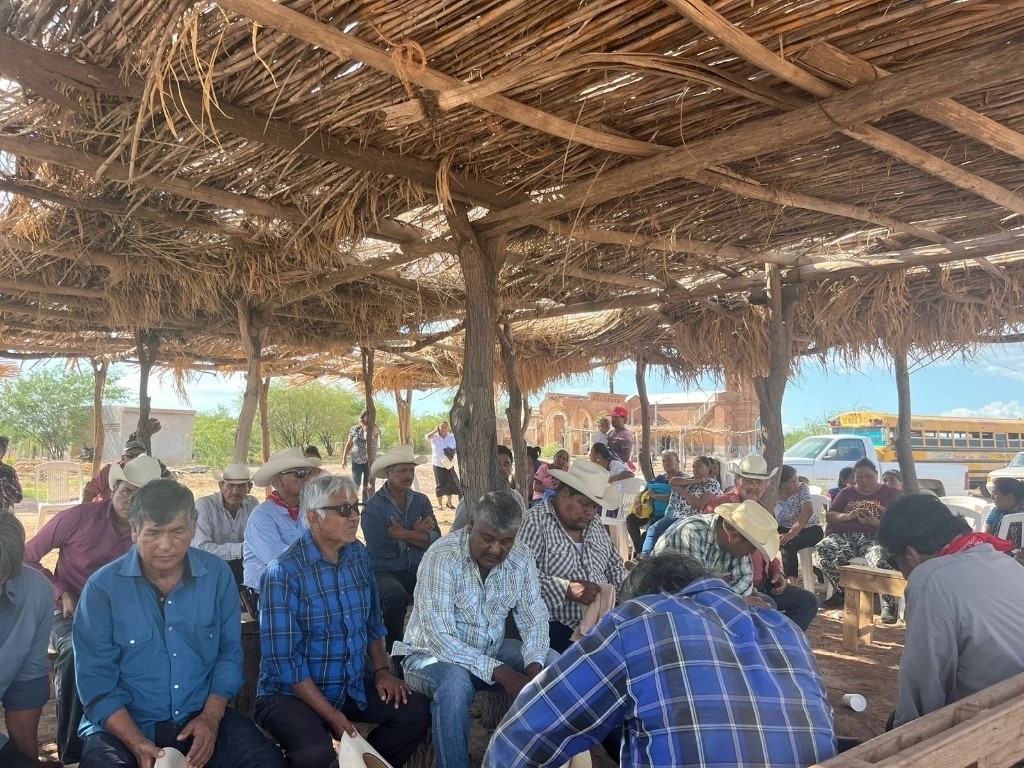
(366, 355)
(518, 412)
(472, 415)
(904, 453)
(148, 344)
(403, 405)
(99, 376)
(646, 465)
(253, 333)
(265, 418)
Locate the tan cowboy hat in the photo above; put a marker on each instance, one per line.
(137, 472)
(356, 752)
(401, 454)
(591, 480)
(754, 523)
(233, 473)
(753, 467)
(282, 461)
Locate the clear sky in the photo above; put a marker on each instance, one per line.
(990, 384)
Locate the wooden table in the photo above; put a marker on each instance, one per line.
(861, 583)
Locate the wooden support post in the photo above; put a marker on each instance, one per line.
(518, 412)
(904, 453)
(366, 358)
(860, 584)
(99, 375)
(646, 465)
(147, 347)
(253, 332)
(403, 405)
(265, 418)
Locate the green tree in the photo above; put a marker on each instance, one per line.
(52, 407)
(811, 426)
(316, 411)
(213, 436)
(420, 426)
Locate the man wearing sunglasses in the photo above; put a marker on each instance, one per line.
(320, 622)
(275, 524)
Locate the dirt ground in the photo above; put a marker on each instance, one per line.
(870, 672)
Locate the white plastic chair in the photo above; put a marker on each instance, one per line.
(975, 517)
(1008, 520)
(814, 490)
(628, 489)
(56, 489)
(975, 503)
(804, 555)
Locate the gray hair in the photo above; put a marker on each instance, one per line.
(161, 501)
(664, 572)
(674, 454)
(318, 492)
(499, 510)
(12, 546)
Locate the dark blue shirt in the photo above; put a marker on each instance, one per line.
(26, 617)
(387, 553)
(158, 667)
(316, 620)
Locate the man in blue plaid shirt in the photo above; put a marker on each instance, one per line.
(319, 621)
(687, 673)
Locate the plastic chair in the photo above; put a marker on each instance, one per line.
(54, 488)
(629, 489)
(804, 555)
(1008, 520)
(975, 503)
(973, 516)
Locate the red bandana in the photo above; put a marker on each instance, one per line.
(970, 540)
(293, 512)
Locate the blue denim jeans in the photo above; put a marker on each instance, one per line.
(451, 689)
(654, 530)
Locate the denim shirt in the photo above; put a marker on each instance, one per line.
(158, 667)
(387, 553)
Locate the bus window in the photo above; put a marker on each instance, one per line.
(987, 440)
(916, 438)
(1000, 439)
(1014, 441)
(945, 439)
(959, 439)
(931, 438)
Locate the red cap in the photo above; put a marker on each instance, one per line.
(620, 411)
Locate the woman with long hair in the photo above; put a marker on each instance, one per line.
(1008, 497)
(797, 519)
(689, 497)
(602, 455)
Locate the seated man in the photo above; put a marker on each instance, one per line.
(159, 645)
(505, 469)
(220, 527)
(87, 537)
(26, 615)
(398, 526)
(320, 620)
(455, 644)
(573, 551)
(274, 524)
(725, 684)
(964, 608)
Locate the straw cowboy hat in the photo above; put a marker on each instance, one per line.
(282, 461)
(591, 480)
(401, 454)
(137, 472)
(233, 473)
(753, 467)
(754, 523)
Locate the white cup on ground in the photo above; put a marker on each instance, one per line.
(855, 701)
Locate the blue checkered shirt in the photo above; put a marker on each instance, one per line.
(697, 679)
(316, 620)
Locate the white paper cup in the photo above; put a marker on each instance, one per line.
(855, 701)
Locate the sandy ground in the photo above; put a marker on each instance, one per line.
(871, 672)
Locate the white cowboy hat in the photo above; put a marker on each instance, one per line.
(591, 480)
(356, 752)
(402, 454)
(233, 473)
(753, 467)
(754, 523)
(137, 472)
(282, 461)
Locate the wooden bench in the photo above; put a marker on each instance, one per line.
(984, 730)
(861, 583)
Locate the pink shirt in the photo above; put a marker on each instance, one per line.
(87, 540)
(544, 479)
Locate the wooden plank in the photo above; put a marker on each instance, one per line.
(858, 618)
(879, 581)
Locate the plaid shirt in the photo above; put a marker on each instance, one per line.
(316, 620)
(695, 536)
(10, 487)
(559, 561)
(697, 679)
(460, 619)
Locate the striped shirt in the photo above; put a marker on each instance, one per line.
(697, 679)
(460, 619)
(695, 536)
(316, 620)
(559, 561)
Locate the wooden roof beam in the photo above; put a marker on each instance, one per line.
(21, 287)
(934, 77)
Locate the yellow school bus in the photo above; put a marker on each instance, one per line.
(981, 444)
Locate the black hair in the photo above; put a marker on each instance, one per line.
(844, 476)
(603, 451)
(893, 473)
(504, 450)
(921, 521)
(160, 502)
(533, 451)
(5, 442)
(12, 545)
(866, 463)
(1010, 486)
(311, 450)
(664, 572)
(786, 474)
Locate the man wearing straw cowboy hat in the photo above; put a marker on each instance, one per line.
(88, 537)
(398, 526)
(275, 524)
(573, 551)
(220, 527)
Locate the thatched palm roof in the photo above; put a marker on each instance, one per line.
(180, 166)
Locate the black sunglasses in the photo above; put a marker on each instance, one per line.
(302, 474)
(344, 510)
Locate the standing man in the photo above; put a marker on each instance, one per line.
(356, 445)
(573, 551)
(274, 524)
(964, 608)
(320, 621)
(87, 537)
(159, 644)
(620, 439)
(26, 615)
(100, 488)
(398, 526)
(455, 645)
(445, 480)
(220, 527)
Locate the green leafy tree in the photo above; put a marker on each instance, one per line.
(420, 426)
(811, 426)
(316, 411)
(213, 436)
(52, 407)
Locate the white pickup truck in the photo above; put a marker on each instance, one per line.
(1014, 469)
(819, 459)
